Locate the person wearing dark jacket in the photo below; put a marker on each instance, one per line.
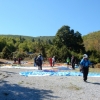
(73, 61)
(39, 62)
(85, 63)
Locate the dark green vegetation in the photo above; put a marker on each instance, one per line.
(65, 43)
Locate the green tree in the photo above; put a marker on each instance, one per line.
(65, 36)
(23, 47)
(78, 45)
(6, 53)
(62, 37)
(2, 43)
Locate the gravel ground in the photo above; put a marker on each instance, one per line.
(16, 87)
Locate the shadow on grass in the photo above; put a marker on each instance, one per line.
(16, 92)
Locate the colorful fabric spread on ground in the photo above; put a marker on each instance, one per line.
(55, 73)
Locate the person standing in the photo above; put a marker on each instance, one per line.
(50, 61)
(35, 61)
(15, 60)
(85, 63)
(19, 60)
(53, 61)
(39, 62)
(68, 60)
(73, 61)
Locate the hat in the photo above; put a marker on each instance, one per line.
(40, 54)
(85, 56)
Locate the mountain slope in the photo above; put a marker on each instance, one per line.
(92, 41)
(29, 37)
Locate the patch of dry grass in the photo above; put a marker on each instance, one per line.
(94, 70)
(74, 87)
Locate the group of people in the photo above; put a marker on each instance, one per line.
(84, 63)
(72, 61)
(52, 61)
(19, 60)
(38, 61)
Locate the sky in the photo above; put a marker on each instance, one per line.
(45, 17)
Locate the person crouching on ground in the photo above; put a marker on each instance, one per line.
(85, 63)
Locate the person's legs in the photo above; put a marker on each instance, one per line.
(41, 67)
(85, 73)
(34, 64)
(73, 65)
(51, 64)
(67, 63)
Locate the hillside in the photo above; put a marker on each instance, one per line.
(92, 41)
(30, 37)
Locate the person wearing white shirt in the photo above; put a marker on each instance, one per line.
(53, 60)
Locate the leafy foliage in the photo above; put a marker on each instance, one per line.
(64, 44)
(73, 41)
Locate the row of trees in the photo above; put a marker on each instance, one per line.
(66, 43)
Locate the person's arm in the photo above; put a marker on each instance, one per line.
(81, 62)
(89, 62)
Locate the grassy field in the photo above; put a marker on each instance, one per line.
(94, 70)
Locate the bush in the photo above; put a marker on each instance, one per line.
(97, 65)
